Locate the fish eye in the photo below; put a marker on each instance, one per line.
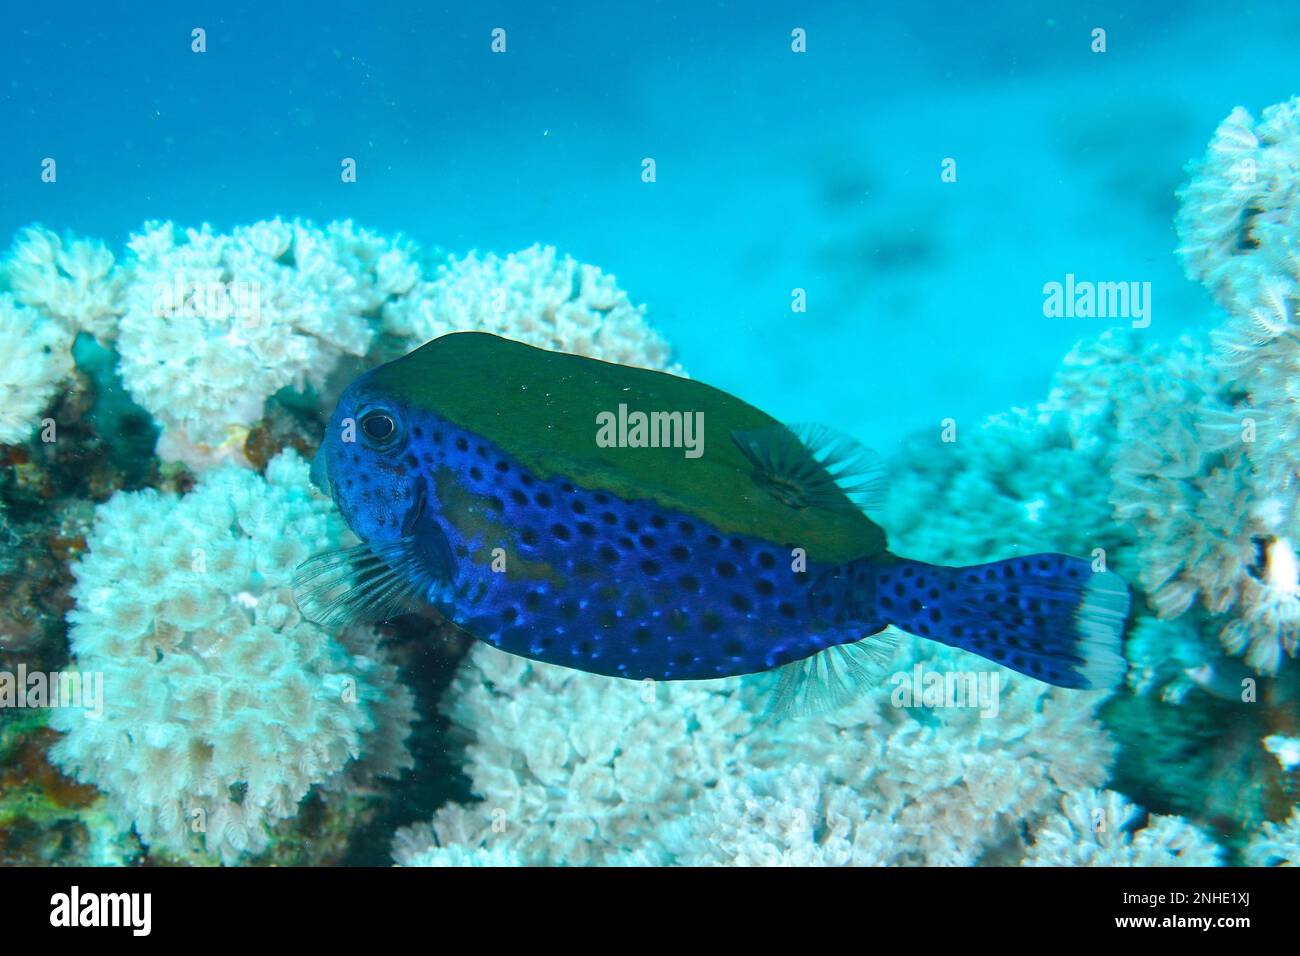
(378, 427)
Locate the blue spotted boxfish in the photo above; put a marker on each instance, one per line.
(633, 523)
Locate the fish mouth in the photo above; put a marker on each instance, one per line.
(320, 474)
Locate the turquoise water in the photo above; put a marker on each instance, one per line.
(814, 177)
(777, 171)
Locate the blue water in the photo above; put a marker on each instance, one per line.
(775, 170)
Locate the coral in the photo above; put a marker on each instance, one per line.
(1276, 844)
(72, 282)
(533, 296)
(1207, 469)
(1239, 212)
(574, 768)
(786, 817)
(958, 781)
(37, 360)
(216, 324)
(1015, 483)
(1099, 828)
(226, 707)
(45, 818)
(418, 846)
(1164, 655)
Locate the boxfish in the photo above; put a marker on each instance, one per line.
(636, 524)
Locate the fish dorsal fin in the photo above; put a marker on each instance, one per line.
(813, 466)
(831, 678)
(372, 582)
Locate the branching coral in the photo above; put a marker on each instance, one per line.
(222, 707)
(37, 359)
(1100, 829)
(216, 324)
(534, 296)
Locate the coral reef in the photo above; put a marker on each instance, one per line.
(232, 344)
(236, 731)
(575, 768)
(534, 296)
(1228, 462)
(46, 819)
(1032, 486)
(73, 282)
(1277, 844)
(572, 768)
(216, 324)
(226, 707)
(37, 360)
(1100, 829)
(208, 327)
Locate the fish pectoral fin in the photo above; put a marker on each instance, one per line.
(372, 582)
(813, 466)
(832, 678)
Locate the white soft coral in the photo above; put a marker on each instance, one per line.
(36, 361)
(216, 324)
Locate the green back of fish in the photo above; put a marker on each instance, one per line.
(541, 407)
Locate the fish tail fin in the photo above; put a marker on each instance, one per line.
(1050, 616)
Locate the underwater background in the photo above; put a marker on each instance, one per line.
(850, 214)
